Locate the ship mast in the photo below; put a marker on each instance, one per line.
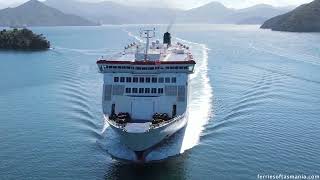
(148, 34)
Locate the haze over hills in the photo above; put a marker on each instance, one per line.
(214, 12)
(35, 13)
(108, 12)
(73, 13)
(2, 6)
(217, 13)
(256, 14)
(305, 18)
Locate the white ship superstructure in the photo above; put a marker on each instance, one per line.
(145, 91)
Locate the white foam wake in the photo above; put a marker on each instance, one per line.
(199, 113)
(200, 107)
(134, 36)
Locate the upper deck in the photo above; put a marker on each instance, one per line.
(158, 59)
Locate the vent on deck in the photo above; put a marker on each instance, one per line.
(167, 38)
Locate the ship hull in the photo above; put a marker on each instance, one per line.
(142, 141)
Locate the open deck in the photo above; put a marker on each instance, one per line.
(176, 58)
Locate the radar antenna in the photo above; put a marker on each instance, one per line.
(148, 34)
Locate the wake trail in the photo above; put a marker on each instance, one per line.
(89, 52)
(296, 56)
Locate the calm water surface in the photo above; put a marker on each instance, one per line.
(255, 107)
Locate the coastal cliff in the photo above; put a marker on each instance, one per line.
(305, 18)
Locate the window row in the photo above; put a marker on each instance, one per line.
(145, 68)
(145, 79)
(144, 91)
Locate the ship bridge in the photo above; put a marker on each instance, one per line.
(160, 59)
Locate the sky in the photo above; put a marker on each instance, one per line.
(185, 4)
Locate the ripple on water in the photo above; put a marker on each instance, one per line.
(260, 92)
(74, 91)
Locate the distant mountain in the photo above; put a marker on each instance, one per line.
(305, 18)
(97, 12)
(114, 13)
(217, 13)
(108, 12)
(213, 12)
(255, 15)
(35, 13)
(252, 20)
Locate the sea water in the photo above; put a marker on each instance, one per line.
(254, 107)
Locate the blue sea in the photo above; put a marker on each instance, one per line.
(254, 109)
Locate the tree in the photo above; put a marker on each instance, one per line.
(22, 39)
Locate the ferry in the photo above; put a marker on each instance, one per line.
(145, 91)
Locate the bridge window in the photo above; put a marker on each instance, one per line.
(154, 80)
(148, 80)
(191, 68)
(135, 90)
(122, 79)
(173, 80)
(154, 90)
(160, 90)
(116, 79)
(141, 79)
(128, 79)
(144, 90)
(161, 80)
(135, 79)
(167, 80)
